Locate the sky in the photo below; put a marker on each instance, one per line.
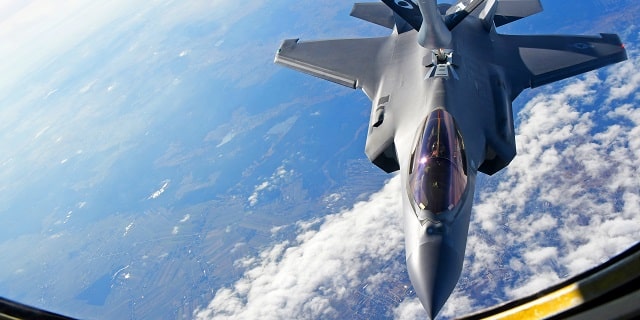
(575, 173)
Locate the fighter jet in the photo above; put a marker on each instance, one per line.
(441, 85)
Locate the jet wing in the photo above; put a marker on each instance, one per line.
(349, 62)
(546, 59)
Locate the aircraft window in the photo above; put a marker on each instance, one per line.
(437, 176)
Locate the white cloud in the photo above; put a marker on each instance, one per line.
(569, 200)
(624, 81)
(160, 191)
(409, 309)
(253, 198)
(541, 255)
(308, 277)
(127, 229)
(539, 282)
(271, 183)
(332, 199)
(457, 304)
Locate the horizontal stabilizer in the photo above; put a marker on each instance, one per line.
(374, 12)
(511, 10)
(407, 10)
(548, 59)
(344, 61)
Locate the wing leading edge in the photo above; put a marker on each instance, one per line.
(349, 62)
(546, 59)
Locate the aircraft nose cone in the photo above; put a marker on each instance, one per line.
(434, 269)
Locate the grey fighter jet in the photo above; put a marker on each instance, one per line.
(441, 87)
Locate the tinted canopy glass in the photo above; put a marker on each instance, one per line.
(437, 176)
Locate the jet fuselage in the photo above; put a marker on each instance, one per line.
(435, 241)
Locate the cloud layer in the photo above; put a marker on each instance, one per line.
(310, 276)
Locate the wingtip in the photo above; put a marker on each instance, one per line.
(286, 45)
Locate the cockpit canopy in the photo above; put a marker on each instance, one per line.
(437, 175)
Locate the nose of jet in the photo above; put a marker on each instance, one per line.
(434, 270)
